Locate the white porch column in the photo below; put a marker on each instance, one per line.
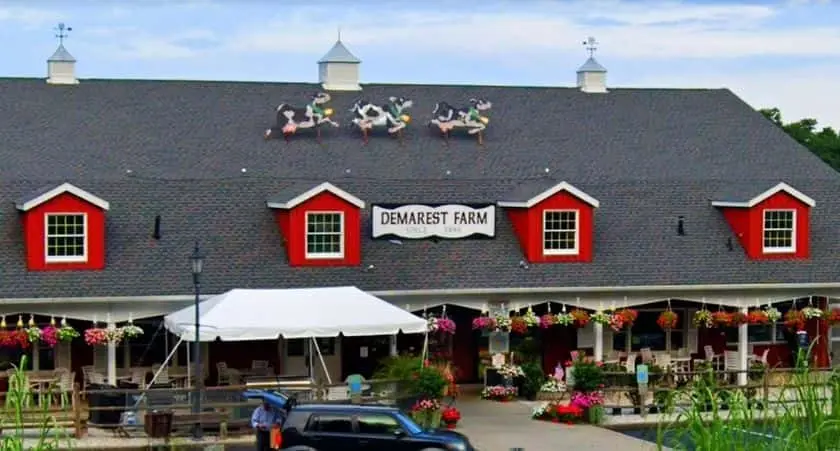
(599, 342)
(742, 351)
(112, 357)
(36, 356)
(392, 344)
(126, 354)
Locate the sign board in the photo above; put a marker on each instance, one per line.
(642, 374)
(498, 342)
(449, 221)
(498, 360)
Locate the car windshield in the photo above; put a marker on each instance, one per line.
(410, 426)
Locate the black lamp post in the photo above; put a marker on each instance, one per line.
(197, 260)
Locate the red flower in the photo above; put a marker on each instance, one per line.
(757, 316)
(518, 325)
(668, 320)
(722, 318)
(451, 415)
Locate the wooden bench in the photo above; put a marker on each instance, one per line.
(37, 419)
(186, 421)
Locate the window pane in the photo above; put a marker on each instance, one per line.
(378, 424)
(778, 229)
(65, 236)
(560, 230)
(339, 424)
(324, 233)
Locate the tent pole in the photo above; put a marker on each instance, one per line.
(189, 380)
(157, 373)
(309, 357)
(321, 357)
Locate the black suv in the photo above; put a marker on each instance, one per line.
(353, 427)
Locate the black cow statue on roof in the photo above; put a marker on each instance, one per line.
(392, 116)
(290, 118)
(469, 118)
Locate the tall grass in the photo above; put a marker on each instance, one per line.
(19, 412)
(805, 416)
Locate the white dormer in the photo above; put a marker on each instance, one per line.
(61, 68)
(338, 70)
(592, 77)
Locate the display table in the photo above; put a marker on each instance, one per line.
(493, 378)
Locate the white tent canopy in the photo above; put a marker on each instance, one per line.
(246, 314)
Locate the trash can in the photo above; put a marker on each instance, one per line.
(158, 424)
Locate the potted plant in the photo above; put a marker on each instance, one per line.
(833, 317)
(450, 417)
(703, 318)
(426, 413)
(518, 325)
(66, 333)
(812, 313)
(484, 323)
(502, 323)
(130, 331)
(737, 318)
(564, 319)
(532, 381)
(96, 336)
(757, 316)
(499, 393)
(794, 320)
(548, 320)
(49, 336)
(668, 320)
(600, 317)
(530, 318)
(579, 318)
(773, 314)
(628, 316)
(721, 318)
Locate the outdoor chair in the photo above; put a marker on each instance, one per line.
(647, 356)
(162, 373)
(64, 386)
(338, 393)
(731, 363)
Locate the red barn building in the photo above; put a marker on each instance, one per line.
(512, 197)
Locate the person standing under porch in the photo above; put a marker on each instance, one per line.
(262, 420)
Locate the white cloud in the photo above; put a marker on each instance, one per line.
(798, 92)
(632, 30)
(28, 17)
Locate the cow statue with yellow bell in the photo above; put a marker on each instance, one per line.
(367, 115)
(470, 118)
(290, 118)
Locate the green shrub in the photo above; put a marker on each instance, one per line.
(588, 375)
(429, 383)
(401, 367)
(533, 380)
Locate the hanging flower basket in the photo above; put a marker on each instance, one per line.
(757, 317)
(721, 319)
(600, 317)
(579, 318)
(628, 316)
(66, 334)
(14, 339)
(548, 320)
(33, 334)
(518, 325)
(531, 319)
(795, 320)
(440, 325)
(96, 336)
(49, 336)
(130, 331)
(812, 313)
(564, 319)
(773, 314)
(737, 318)
(484, 323)
(833, 317)
(703, 318)
(668, 320)
(503, 324)
(616, 322)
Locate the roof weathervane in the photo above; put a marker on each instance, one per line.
(339, 33)
(591, 46)
(62, 32)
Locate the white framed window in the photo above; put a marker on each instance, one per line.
(779, 231)
(65, 237)
(560, 232)
(324, 234)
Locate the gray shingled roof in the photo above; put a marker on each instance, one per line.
(61, 55)
(339, 54)
(648, 155)
(592, 66)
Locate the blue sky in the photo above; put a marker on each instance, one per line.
(784, 53)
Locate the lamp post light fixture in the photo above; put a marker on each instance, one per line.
(197, 261)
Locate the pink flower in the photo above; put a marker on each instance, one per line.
(49, 336)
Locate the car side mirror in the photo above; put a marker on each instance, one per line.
(399, 433)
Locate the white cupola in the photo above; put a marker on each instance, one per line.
(338, 70)
(592, 76)
(61, 66)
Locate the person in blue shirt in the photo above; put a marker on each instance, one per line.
(264, 417)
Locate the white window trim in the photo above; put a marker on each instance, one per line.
(778, 250)
(834, 332)
(322, 255)
(576, 249)
(65, 258)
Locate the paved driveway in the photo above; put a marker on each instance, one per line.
(495, 426)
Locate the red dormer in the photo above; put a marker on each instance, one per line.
(64, 229)
(321, 226)
(772, 225)
(553, 221)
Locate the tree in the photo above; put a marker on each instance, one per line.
(824, 143)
